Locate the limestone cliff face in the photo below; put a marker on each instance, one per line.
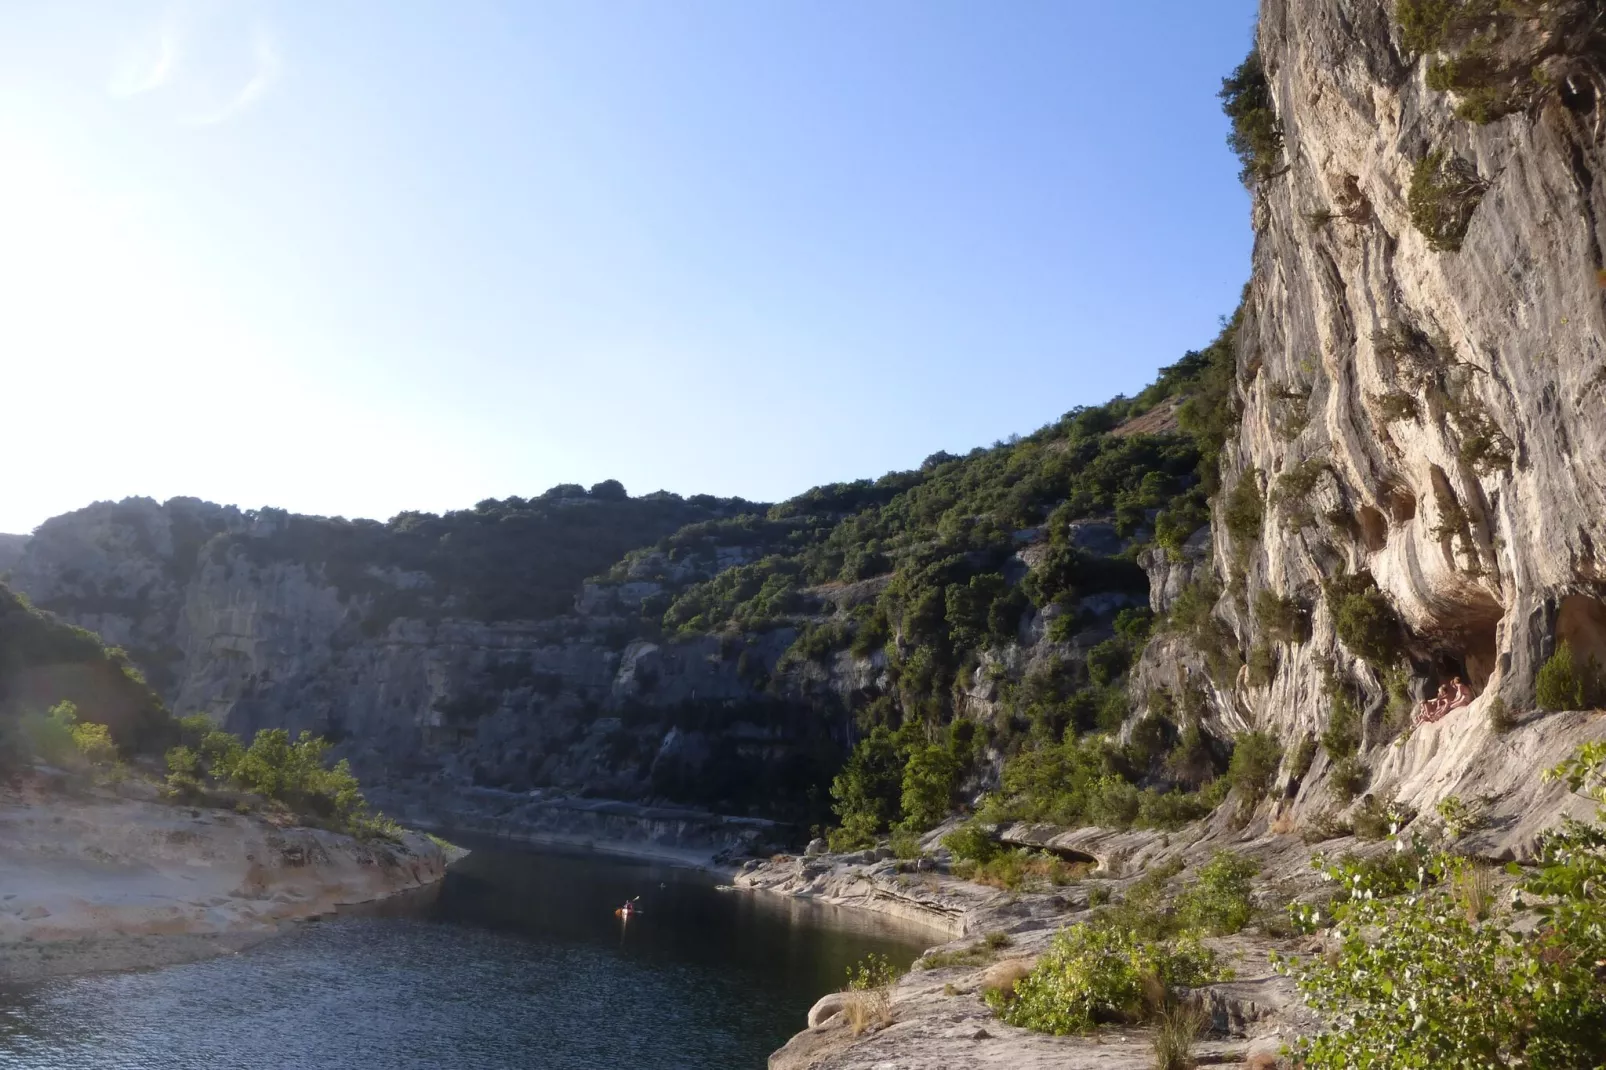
(1430, 415)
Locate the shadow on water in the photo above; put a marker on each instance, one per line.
(514, 960)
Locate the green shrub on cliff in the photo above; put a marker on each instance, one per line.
(1563, 684)
(1218, 901)
(57, 737)
(1365, 620)
(1253, 767)
(1445, 191)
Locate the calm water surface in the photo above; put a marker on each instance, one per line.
(518, 961)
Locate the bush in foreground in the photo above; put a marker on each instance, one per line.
(1432, 976)
(1100, 973)
(1218, 903)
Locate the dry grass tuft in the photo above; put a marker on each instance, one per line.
(1003, 977)
(1474, 890)
(864, 1008)
(1176, 1027)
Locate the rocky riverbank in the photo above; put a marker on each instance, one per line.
(938, 1017)
(99, 879)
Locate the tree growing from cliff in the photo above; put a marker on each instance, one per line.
(1256, 136)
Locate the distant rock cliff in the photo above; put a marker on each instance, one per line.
(10, 551)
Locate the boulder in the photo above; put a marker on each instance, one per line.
(826, 1008)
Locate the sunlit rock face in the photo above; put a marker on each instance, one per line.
(1435, 417)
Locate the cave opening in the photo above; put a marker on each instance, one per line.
(1402, 505)
(1469, 653)
(1374, 529)
(1581, 624)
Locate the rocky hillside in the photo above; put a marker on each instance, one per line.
(1381, 484)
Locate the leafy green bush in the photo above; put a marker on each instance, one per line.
(1283, 620)
(1172, 809)
(971, 842)
(1562, 684)
(1262, 664)
(1244, 511)
(1193, 615)
(1342, 736)
(1349, 778)
(1376, 819)
(1218, 902)
(1253, 768)
(49, 736)
(868, 790)
(1020, 868)
(1421, 980)
(905, 844)
(871, 972)
(929, 778)
(1460, 817)
(1097, 973)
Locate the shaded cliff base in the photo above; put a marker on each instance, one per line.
(554, 819)
(102, 880)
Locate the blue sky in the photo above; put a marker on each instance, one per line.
(353, 259)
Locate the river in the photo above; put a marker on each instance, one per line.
(515, 960)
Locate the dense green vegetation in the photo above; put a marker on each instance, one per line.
(923, 569)
(292, 774)
(1123, 965)
(1102, 973)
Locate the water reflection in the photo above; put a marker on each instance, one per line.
(515, 960)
